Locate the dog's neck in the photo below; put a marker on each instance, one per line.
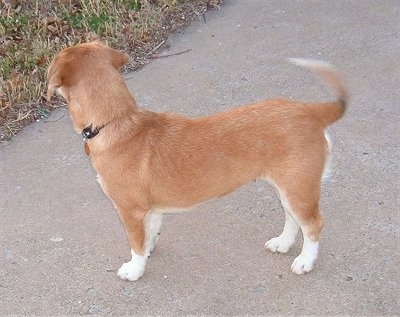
(91, 111)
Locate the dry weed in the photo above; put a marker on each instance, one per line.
(31, 32)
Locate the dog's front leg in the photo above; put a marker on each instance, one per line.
(134, 223)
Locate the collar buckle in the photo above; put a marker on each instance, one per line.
(88, 133)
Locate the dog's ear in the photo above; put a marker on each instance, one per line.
(54, 78)
(98, 43)
(117, 58)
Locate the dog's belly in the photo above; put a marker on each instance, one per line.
(165, 208)
(185, 193)
(169, 195)
(171, 210)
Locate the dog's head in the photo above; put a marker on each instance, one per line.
(73, 63)
(87, 76)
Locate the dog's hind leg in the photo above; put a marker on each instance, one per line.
(305, 212)
(311, 228)
(299, 193)
(135, 226)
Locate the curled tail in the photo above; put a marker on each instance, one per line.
(328, 112)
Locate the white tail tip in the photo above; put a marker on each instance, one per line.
(310, 63)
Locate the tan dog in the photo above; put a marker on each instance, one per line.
(149, 163)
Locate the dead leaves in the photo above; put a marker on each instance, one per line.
(52, 23)
(10, 5)
(31, 32)
(56, 27)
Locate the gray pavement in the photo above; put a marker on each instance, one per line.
(61, 241)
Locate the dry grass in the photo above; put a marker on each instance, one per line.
(31, 32)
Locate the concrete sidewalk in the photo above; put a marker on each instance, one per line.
(61, 241)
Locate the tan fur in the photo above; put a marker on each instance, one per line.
(148, 160)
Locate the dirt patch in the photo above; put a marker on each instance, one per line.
(32, 32)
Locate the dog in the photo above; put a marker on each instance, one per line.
(150, 163)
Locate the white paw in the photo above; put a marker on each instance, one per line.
(131, 271)
(279, 244)
(306, 260)
(304, 263)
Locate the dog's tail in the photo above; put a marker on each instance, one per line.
(329, 112)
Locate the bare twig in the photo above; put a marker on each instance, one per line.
(168, 55)
(9, 129)
(161, 56)
(157, 47)
(22, 117)
(50, 121)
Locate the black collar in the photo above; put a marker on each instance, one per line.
(88, 132)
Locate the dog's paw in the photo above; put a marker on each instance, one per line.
(131, 271)
(306, 260)
(279, 244)
(304, 263)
